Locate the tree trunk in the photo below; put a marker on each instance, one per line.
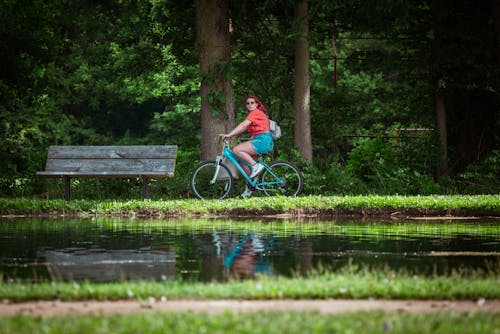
(438, 14)
(217, 106)
(442, 129)
(301, 101)
(495, 15)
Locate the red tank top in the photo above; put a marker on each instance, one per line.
(259, 122)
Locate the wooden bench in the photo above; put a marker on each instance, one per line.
(138, 161)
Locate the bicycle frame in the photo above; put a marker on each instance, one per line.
(229, 154)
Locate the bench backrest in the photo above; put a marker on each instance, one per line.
(155, 160)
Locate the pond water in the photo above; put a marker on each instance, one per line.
(105, 249)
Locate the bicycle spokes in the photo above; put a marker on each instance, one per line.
(282, 178)
(211, 180)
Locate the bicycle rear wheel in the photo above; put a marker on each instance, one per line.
(202, 177)
(286, 181)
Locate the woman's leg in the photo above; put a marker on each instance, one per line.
(245, 151)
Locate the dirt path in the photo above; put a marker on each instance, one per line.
(329, 306)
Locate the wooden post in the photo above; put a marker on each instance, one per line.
(145, 188)
(67, 188)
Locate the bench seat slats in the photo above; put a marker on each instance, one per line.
(116, 166)
(113, 152)
(147, 174)
(137, 161)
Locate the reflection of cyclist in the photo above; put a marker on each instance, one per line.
(247, 257)
(261, 141)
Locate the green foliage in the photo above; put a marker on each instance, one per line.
(125, 72)
(338, 180)
(25, 133)
(82, 73)
(177, 125)
(395, 165)
(327, 178)
(482, 177)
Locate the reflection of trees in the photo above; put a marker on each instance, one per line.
(200, 251)
(304, 257)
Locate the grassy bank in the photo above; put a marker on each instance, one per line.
(351, 282)
(481, 205)
(259, 322)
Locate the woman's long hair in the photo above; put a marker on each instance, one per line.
(260, 105)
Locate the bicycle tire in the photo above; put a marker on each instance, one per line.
(286, 171)
(203, 174)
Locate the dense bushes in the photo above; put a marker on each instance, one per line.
(374, 167)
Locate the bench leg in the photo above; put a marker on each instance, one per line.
(67, 188)
(145, 188)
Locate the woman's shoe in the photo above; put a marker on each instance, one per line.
(248, 192)
(256, 169)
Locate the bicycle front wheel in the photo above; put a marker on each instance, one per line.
(206, 185)
(284, 178)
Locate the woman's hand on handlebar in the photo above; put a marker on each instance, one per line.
(224, 136)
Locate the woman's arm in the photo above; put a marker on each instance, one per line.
(239, 129)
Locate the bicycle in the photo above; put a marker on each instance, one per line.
(214, 180)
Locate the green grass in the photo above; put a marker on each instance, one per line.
(364, 205)
(258, 322)
(351, 282)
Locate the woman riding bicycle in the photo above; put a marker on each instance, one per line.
(261, 142)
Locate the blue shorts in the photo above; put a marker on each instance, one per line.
(262, 143)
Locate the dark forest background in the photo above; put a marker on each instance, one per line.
(116, 72)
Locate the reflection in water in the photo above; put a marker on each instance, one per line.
(248, 257)
(111, 265)
(207, 250)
